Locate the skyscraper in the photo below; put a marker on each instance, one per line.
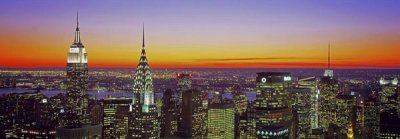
(301, 99)
(273, 113)
(312, 84)
(371, 117)
(143, 121)
(194, 115)
(220, 121)
(169, 125)
(345, 112)
(389, 94)
(76, 107)
(329, 88)
(77, 83)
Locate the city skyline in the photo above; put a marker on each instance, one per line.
(206, 34)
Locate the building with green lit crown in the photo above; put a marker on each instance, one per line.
(221, 117)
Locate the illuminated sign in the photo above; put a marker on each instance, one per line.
(287, 78)
(263, 79)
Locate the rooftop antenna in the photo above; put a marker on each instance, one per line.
(329, 55)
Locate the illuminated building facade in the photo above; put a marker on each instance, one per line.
(77, 83)
(115, 119)
(273, 115)
(194, 115)
(390, 108)
(346, 113)
(389, 95)
(312, 84)
(239, 100)
(221, 117)
(241, 104)
(329, 88)
(143, 121)
(327, 102)
(301, 99)
(76, 107)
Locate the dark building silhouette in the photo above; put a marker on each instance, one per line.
(194, 115)
(170, 117)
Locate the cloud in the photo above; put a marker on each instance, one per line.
(249, 59)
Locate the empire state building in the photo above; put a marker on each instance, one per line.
(143, 121)
(77, 124)
(77, 83)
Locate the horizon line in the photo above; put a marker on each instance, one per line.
(116, 67)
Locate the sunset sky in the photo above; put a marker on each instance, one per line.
(203, 34)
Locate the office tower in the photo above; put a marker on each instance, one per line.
(327, 101)
(220, 121)
(346, 112)
(371, 117)
(389, 94)
(241, 114)
(169, 125)
(273, 113)
(312, 84)
(77, 83)
(115, 119)
(329, 88)
(194, 115)
(143, 121)
(76, 107)
(184, 84)
(239, 100)
(301, 107)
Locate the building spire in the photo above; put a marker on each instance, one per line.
(77, 21)
(77, 33)
(143, 38)
(329, 55)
